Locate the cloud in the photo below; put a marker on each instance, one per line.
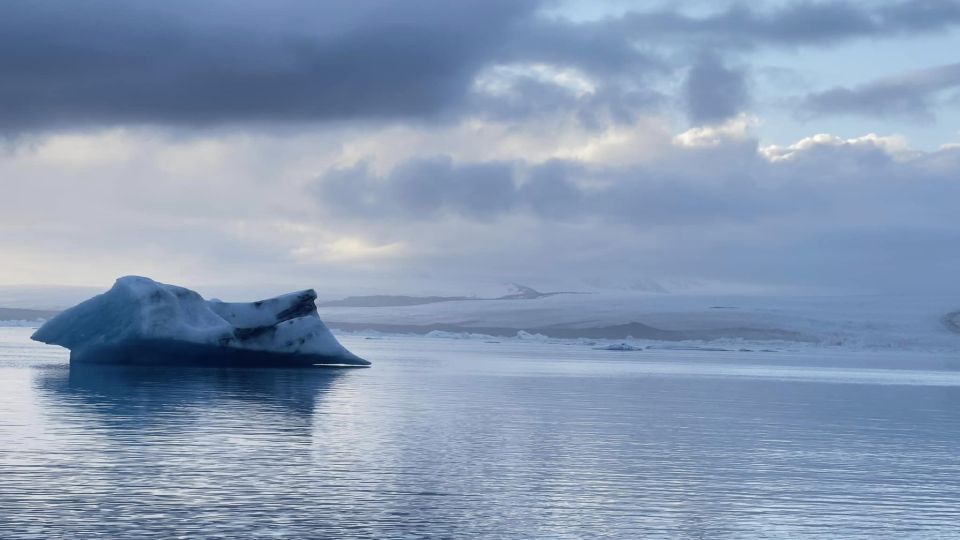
(717, 134)
(714, 92)
(797, 23)
(866, 212)
(730, 181)
(457, 140)
(113, 62)
(419, 189)
(119, 62)
(912, 94)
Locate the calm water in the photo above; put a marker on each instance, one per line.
(450, 439)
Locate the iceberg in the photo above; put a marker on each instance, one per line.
(142, 322)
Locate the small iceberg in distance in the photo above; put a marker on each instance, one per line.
(142, 322)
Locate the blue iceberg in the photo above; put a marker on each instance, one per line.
(142, 322)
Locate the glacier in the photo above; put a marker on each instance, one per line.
(142, 322)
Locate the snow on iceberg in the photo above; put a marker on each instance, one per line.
(140, 321)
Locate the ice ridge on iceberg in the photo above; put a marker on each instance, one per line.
(141, 321)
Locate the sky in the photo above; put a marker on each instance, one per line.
(432, 146)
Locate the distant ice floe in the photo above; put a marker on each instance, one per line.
(596, 344)
(456, 335)
(22, 324)
(141, 321)
(620, 347)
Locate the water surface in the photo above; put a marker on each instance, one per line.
(457, 439)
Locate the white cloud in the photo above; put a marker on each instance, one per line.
(711, 136)
(895, 146)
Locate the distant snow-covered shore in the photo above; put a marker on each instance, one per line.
(639, 321)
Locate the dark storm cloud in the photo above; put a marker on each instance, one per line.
(111, 61)
(913, 95)
(117, 62)
(103, 62)
(713, 91)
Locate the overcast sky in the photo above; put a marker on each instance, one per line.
(405, 146)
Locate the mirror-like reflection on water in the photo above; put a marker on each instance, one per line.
(444, 439)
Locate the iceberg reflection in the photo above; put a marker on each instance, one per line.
(139, 393)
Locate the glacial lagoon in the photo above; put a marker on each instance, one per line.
(447, 438)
